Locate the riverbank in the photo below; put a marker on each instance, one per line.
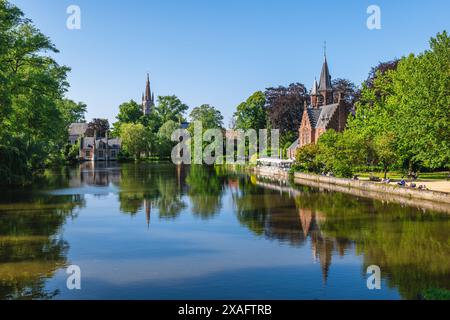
(392, 189)
(426, 199)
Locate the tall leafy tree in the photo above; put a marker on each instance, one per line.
(98, 127)
(381, 69)
(251, 114)
(170, 108)
(421, 99)
(73, 112)
(165, 143)
(134, 139)
(130, 112)
(348, 91)
(32, 87)
(285, 106)
(210, 117)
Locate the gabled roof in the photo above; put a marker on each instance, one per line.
(326, 114)
(88, 142)
(313, 115)
(77, 129)
(294, 145)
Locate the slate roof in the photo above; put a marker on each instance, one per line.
(88, 142)
(325, 78)
(313, 114)
(77, 129)
(326, 114)
(295, 145)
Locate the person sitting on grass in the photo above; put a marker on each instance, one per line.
(402, 182)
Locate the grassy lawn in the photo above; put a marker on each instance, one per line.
(398, 175)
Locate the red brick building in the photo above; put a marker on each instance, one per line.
(326, 111)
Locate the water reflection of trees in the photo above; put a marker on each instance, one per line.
(411, 247)
(276, 216)
(163, 186)
(143, 187)
(31, 246)
(205, 189)
(159, 186)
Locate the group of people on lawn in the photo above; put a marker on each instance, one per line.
(401, 183)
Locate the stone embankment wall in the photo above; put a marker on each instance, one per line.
(377, 187)
(432, 200)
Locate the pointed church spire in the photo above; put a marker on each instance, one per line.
(315, 88)
(147, 99)
(325, 78)
(147, 89)
(325, 85)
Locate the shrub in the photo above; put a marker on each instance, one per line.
(306, 159)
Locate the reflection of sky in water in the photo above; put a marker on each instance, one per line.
(150, 231)
(85, 190)
(193, 258)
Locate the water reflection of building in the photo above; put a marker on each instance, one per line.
(294, 222)
(322, 247)
(148, 210)
(96, 174)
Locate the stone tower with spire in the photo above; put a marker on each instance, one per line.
(324, 113)
(148, 98)
(325, 86)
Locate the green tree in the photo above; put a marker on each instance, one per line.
(32, 86)
(73, 112)
(422, 99)
(335, 154)
(307, 158)
(170, 108)
(164, 138)
(251, 114)
(129, 112)
(385, 149)
(410, 98)
(134, 139)
(209, 116)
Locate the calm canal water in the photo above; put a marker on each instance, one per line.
(155, 231)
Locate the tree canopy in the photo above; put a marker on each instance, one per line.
(209, 116)
(251, 114)
(34, 114)
(285, 106)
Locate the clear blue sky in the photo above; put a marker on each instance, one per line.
(221, 51)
